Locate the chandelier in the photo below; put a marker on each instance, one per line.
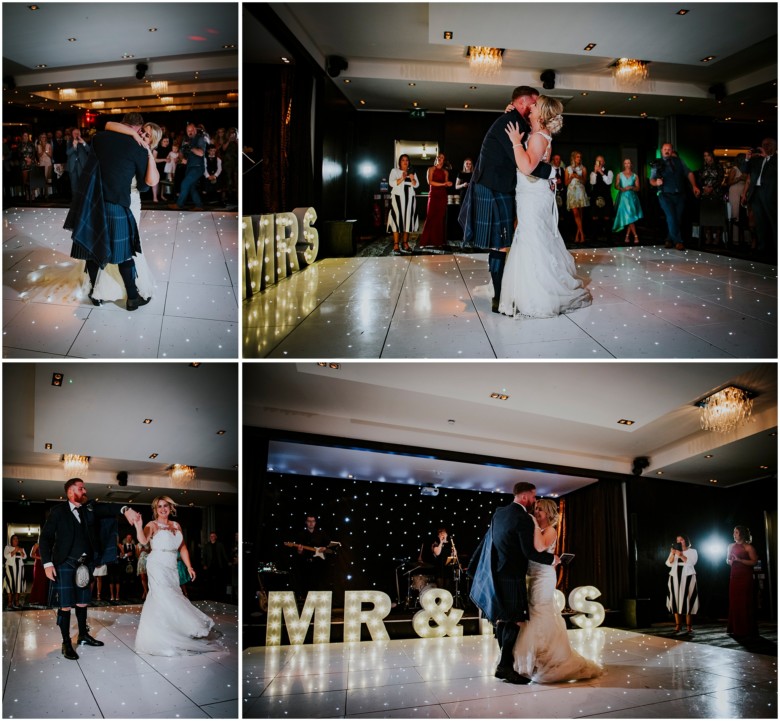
(726, 410)
(181, 473)
(75, 466)
(484, 60)
(159, 86)
(630, 72)
(67, 93)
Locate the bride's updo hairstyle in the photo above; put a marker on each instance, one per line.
(168, 500)
(549, 507)
(550, 113)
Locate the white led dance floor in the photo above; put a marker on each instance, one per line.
(194, 308)
(649, 302)
(113, 681)
(646, 677)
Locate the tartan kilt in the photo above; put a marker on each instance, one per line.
(123, 237)
(512, 597)
(493, 217)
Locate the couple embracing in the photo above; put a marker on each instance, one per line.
(537, 277)
(514, 587)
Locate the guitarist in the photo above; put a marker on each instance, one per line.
(312, 567)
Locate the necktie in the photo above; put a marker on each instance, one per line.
(79, 510)
(761, 172)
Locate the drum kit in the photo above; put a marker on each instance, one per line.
(421, 577)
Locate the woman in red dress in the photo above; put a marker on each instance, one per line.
(39, 594)
(742, 597)
(433, 235)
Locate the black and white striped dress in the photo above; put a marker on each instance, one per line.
(683, 595)
(13, 580)
(402, 217)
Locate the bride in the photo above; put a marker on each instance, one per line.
(540, 278)
(170, 625)
(542, 650)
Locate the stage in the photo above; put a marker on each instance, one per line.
(649, 302)
(114, 681)
(193, 258)
(646, 677)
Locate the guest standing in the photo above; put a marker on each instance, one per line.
(403, 205)
(143, 550)
(601, 198)
(14, 556)
(435, 230)
(464, 177)
(736, 210)
(629, 209)
(576, 197)
(39, 593)
(668, 175)
(43, 153)
(683, 596)
(742, 557)
(711, 210)
(77, 152)
(761, 194)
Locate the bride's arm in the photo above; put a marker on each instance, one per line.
(152, 174)
(185, 556)
(144, 535)
(526, 160)
(543, 538)
(125, 130)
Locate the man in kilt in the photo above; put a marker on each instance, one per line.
(69, 539)
(499, 588)
(488, 210)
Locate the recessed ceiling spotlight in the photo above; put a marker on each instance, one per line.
(584, 94)
(229, 46)
(221, 433)
(602, 112)
(285, 60)
(147, 421)
(57, 379)
(347, 81)
(71, 40)
(659, 473)
(682, 12)
(448, 35)
(708, 59)
(412, 85)
(48, 446)
(626, 422)
(362, 102)
(152, 30)
(41, 66)
(473, 87)
(466, 106)
(33, 7)
(713, 480)
(414, 104)
(127, 56)
(153, 455)
(589, 47)
(763, 468)
(709, 455)
(499, 396)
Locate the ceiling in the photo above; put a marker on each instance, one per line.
(99, 410)
(192, 47)
(560, 419)
(397, 54)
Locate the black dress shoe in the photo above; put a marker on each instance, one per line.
(87, 640)
(511, 676)
(135, 303)
(95, 301)
(68, 652)
(495, 304)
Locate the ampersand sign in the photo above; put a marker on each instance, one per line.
(436, 603)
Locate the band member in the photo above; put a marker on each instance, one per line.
(443, 559)
(312, 567)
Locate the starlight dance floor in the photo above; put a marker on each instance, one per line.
(114, 681)
(646, 677)
(649, 302)
(194, 308)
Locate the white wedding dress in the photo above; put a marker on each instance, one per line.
(540, 277)
(109, 285)
(542, 650)
(170, 625)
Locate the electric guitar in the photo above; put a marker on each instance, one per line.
(318, 553)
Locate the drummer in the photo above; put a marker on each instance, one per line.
(443, 560)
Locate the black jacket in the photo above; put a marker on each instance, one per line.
(121, 159)
(59, 532)
(496, 168)
(513, 539)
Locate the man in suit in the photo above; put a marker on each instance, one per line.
(488, 212)
(72, 537)
(76, 152)
(669, 176)
(216, 567)
(499, 582)
(761, 193)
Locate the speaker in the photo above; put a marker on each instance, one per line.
(548, 79)
(718, 90)
(639, 465)
(334, 64)
(141, 69)
(121, 478)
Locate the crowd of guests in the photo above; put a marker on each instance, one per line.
(62, 155)
(125, 579)
(718, 203)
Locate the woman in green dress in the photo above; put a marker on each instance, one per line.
(629, 209)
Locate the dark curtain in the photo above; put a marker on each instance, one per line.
(286, 132)
(593, 527)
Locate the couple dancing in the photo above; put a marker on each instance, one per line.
(514, 587)
(105, 215)
(79, 531)
(537, 278)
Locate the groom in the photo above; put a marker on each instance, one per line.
(71, 537)
(488, 211)
(499, 582)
